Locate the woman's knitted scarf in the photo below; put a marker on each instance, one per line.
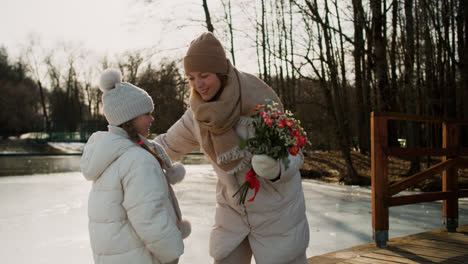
(217, 119)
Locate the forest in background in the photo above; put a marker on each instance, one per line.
(332, 63)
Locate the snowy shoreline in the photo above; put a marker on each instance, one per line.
(48, 224)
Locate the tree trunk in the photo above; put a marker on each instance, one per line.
(361, 112)
(257, 47)
(465, 63)
(462, 91)
(209, 25)
(228, 17)
(386, 101)
(393, 48)
(266, 76)
(334, 99)
(413, 129)
(44, 108)
(291, 45)
(380, 59)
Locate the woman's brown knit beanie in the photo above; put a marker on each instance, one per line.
(205, 54)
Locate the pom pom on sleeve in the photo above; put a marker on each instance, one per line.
(175, 174)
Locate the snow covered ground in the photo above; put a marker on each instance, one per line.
(43, 217)
(68, 147)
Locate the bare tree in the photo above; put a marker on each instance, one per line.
(228, 18)
(462, 36)
(209, 25)
(129, 65)
(329, 76)
(379, 48)
(35, 68)
(362, 96)
(262, 24)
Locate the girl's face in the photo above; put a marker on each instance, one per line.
(143, 123)
(207, 84)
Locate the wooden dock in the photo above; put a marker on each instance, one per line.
(438, 246)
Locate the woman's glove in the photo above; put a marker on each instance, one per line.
(266, 166)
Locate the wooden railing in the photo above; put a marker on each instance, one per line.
(383, 193)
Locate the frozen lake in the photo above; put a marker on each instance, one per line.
(43, 217)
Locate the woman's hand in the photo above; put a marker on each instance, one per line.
(266, 166)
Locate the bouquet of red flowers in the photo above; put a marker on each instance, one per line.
(277, 135)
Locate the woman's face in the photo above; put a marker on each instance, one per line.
(207, 84)
(143, 123)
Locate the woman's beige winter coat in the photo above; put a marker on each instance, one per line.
(131, 218)
(275, 222)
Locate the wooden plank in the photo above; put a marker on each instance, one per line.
(419, 198)
(416, 152)
(379, 175)
(418, 118)
(349, 261)
(455, 238)
(463, 193)
(443, 245)
(425, 253)
(420, 176)
(450, 134)
(414, 254)
(422, 248)
(368, 260)
(429, 251)
(395, 258)
(413, 257)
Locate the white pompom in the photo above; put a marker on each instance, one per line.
(176, 173)
(185, 228)
(109, 78)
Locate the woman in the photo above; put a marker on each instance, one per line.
(274, 226)
(133, 213)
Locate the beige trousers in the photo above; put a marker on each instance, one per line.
(243, 255)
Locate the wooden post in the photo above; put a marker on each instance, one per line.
(379, 178)
(450, 133)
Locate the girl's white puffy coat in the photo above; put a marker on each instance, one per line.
(131, 219)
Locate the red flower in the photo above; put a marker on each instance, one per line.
(296, 132)
(251, 178)
(282, 123)
(289, 123)
(301, 141)
(258, 107)
(277, 135)
(275, 114)
(268, 121)
(294, 150)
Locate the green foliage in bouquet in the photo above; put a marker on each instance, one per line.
(276, 133)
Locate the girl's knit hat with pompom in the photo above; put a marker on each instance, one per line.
(122, 101)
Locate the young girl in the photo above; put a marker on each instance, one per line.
(133, 212)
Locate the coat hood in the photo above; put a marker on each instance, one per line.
(103, 148)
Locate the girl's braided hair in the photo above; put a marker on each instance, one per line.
(129, 127)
